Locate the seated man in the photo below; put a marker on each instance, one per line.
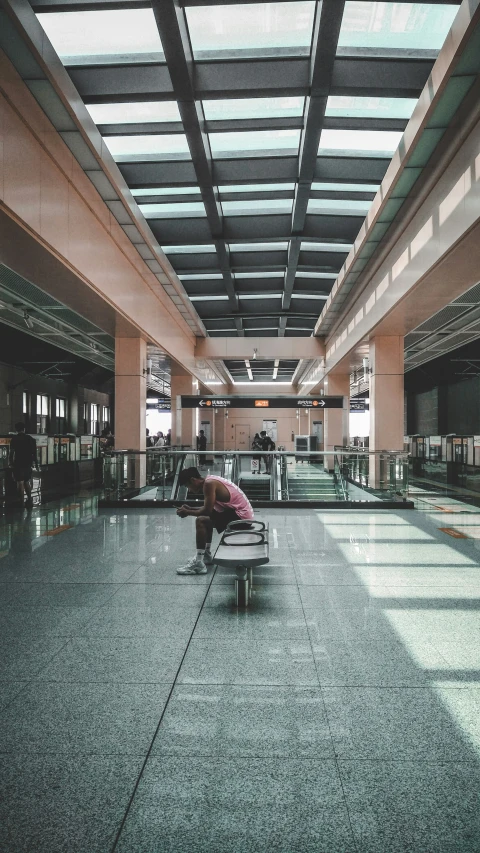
(223, 502)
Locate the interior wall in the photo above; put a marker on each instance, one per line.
(289, 424)
(14, 381)
(450, 408)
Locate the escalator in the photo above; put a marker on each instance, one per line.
(256, 488)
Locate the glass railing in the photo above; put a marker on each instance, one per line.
(277, 477)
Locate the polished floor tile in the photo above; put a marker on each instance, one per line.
(273, 662)
(244, 720)
(231, 805)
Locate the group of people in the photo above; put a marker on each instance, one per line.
(160, 439)
(262, 441)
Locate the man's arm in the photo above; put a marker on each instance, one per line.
(11, 455)
(34, 453)
(209, 491)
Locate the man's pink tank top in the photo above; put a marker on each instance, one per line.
(238, 500)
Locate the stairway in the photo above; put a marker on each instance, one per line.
(310, 483)
(256, 488)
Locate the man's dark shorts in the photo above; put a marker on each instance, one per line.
(220, 520)
(22, 475)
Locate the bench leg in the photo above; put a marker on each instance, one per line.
(250, 582)
(241, 588)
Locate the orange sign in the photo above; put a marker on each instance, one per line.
(261, 404)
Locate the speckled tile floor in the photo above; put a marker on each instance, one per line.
(141, 712)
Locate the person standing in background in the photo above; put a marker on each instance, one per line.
(23, 458)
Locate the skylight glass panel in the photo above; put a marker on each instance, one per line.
(309, 295)
(146, 147)
(260, 296)
(106, 35)
(354, 107)
(258, 247)
(255, 26)
(200, 276)
(244, 108)
(188, 250)
(345, 188)
(149, 191)
(257, 188)
(215, 298)
(260, 274)
(326, 247)
(273, 205)
(324, 275)
(339, 207)
(134, 113)
(412, 26)
(159, 211)
(369, 142)
(253, 140)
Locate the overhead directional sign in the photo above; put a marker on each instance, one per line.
(234, 402)
(359, 405)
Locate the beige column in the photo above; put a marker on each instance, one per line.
(183, 420)
(336, 431)
(130, 401)
(386, 398)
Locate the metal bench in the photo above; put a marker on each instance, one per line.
(243, 550)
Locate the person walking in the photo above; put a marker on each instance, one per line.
(23, 458)
(223, 502)
(160, 442)
(201, 441)
(257, 445)
(267, 445)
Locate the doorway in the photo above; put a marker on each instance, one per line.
(317, 429)
(242, 437)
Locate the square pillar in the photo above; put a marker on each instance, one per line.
(131, 400)
(386, 398)
(184, 422)
(336, 432)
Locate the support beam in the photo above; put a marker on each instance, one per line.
(271, 348)
(173, 31)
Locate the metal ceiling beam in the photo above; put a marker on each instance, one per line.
(328, 20)
(173, 31)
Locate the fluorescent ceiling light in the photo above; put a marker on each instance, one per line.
(257, 188)
(188, 250)
(254, 140)
(149, 191)
(351, 106)
(367, 141)
(258, 206)
(318, 186)
(249, 370)
(159, 211)
(153, 145)
(260, 381)
(254, 26)
(200, 276)
(137, 112)
(260, 295)
(338, 207)
(412, 26)
(246, 108)
(260, 274)
(258, 247)
(326, 247)
(326, 275)
(104, 34)
(309, 295)
(214, 298)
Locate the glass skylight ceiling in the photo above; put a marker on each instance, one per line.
(412, 26)
(146, 147)
(136, 112)
(255, 140)
(108, 35)
(355, 107)
(243, 49)
(254, 27)
(243, 108)
(369, 142)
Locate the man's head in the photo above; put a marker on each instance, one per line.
(19, 427)
(191, 478)
(202, 432)
(263, 433)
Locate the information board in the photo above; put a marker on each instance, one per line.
(315, 403)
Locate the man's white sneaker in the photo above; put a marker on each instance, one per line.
(193, 567)
(208, 559)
